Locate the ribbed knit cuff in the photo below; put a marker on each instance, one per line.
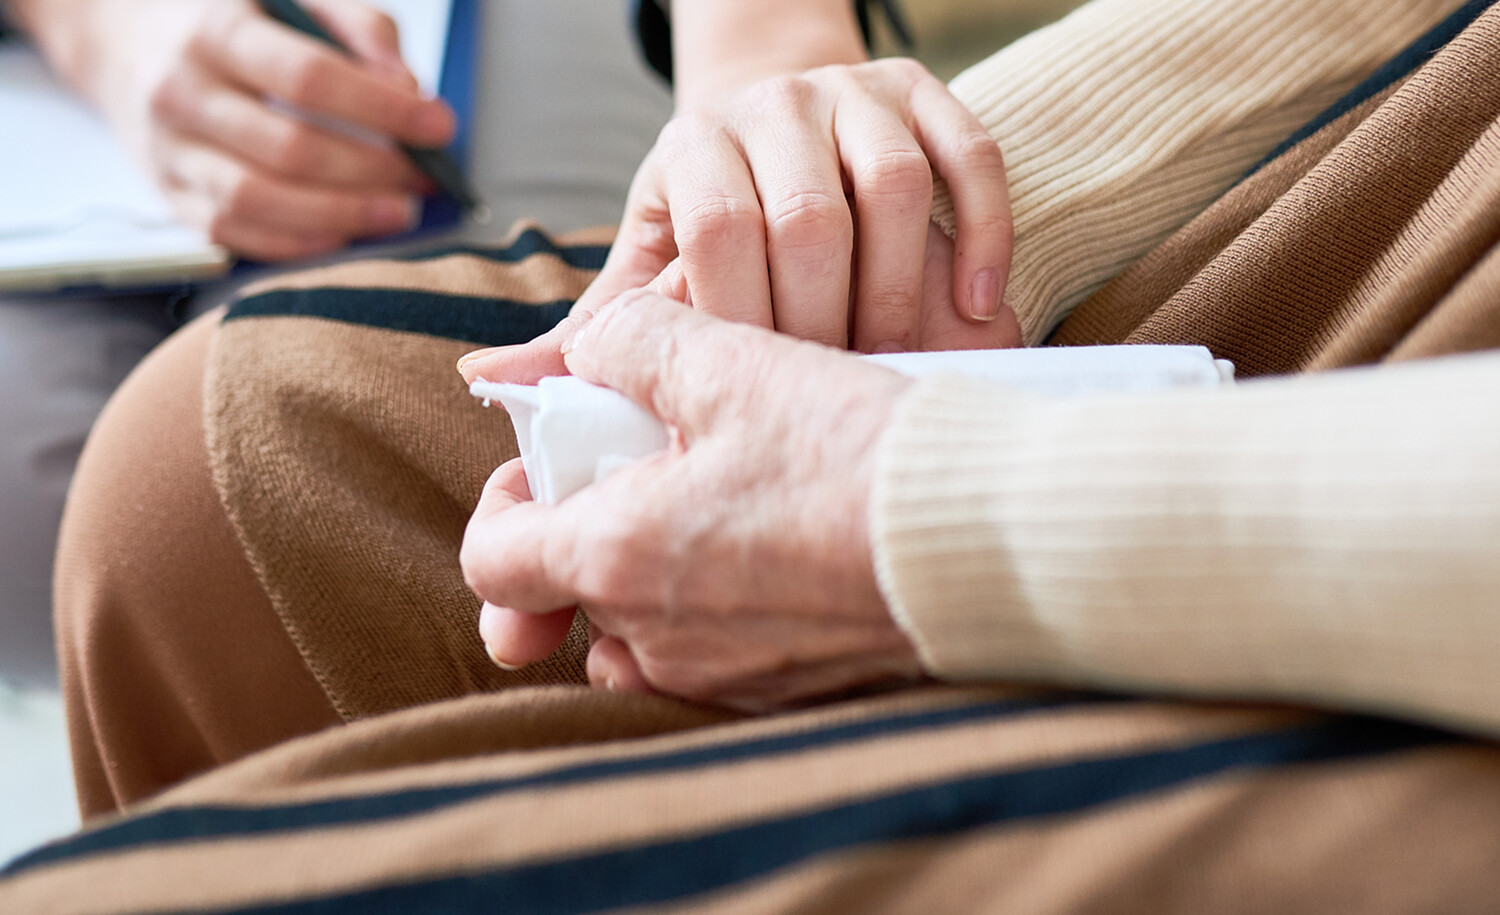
(1127, 119)
(1327, 538)
(935, 529)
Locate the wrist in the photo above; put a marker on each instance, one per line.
(723, 45)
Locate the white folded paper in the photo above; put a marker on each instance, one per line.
(573, 433)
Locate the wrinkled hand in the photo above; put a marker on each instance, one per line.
(734, 568)
(802, 203)
(188, 86)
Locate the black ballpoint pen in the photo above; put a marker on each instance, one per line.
(436, 164)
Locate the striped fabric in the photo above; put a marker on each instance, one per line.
(347, 456)
(984, 800)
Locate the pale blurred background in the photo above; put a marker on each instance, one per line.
(36, 799)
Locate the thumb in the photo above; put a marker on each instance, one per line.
(643, 247)
(671, 359)
(370, 33)
(526, 363)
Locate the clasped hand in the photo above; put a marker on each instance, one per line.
(734, 568)
(802, 201)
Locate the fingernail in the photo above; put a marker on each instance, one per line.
(984, 295)
(467, 358)
(501, 663)
(393, 215)
(575, 337)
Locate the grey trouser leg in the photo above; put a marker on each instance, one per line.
(59, 361)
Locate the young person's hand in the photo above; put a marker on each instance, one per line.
(199, 93)
(794, 184)
(802, 203)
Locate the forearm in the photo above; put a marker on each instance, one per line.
(1331, 539)
(723, 44)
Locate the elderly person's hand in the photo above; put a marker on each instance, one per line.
(193, 87)
(734, 568)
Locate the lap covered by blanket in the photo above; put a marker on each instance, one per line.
(348, 456)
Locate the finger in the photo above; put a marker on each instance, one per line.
(542, 357)
(514, 639)
(969, 159)
(612, 667)
(244, 194)
(528, 362)
(269, 58)
(719, 230)
(221, 115)
(519, 554)
(672, 359)
(370, 33)
(808, 226)
(893, 204)
(943, 328)
(672, 283)
(644, 245)
(271, 245)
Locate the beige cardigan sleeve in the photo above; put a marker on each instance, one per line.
(1125, 120)
(1333, 538)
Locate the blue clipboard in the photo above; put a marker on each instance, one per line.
(456, 87)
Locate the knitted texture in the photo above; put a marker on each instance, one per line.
(1126, 119)
(1329, 538)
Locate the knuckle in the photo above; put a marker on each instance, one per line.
(907, 69)
(610, 576)
(976, 149)
(241, 193)
(809, 218)
(212, 34)
(680, 132)
(224, 229)
(166, 102)
(605, 577)
(782, 93)
(899, 173)
(217, 29)
(293, 150)
(998, 229)
(715, 217)
(307, 80)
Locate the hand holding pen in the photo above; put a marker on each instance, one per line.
(189, 87)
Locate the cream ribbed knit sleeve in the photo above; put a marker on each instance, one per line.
(1331, 537)
(1125, 120)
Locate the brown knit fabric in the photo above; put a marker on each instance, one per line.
(998, 800)
(172, 659)
(349, 458)
(1330, 257)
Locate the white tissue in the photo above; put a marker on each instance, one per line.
(573, 433)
